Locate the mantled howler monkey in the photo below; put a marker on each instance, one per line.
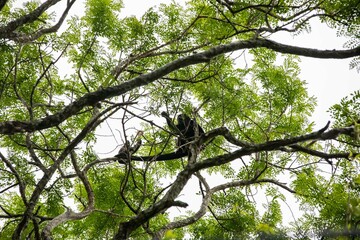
(185, 130)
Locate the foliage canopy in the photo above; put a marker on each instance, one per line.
(74, 89)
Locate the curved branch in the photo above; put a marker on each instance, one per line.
(28, 18)
(68, 215)
(323, 155)
(24, 38)
(248, 182)
(207, 198)
(20, 182)
(9, 31)
(201, 212)
(271, 146)
(12, 127)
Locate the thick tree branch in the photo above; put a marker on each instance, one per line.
(167, 201)
(28, 18)
(271, 146)
(67, 216)
(24, 38)
(253, 148)
(2, 4)
(325, 156)
(12, 127)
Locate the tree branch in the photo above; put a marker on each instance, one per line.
(12, 127)
(28, 18)
(271, 146)
(24, 38)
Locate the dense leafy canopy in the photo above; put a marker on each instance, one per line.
(75, 88)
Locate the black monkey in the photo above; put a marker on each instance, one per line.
(189, 130)
(186, 131)
(126, 151)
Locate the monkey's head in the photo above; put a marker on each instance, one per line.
(183, 119)
(164, 114)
